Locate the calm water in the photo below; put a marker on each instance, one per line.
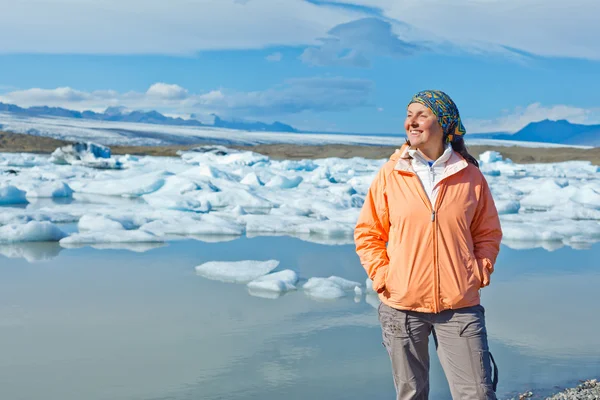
(117, 324)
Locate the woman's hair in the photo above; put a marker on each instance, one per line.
(458, 145)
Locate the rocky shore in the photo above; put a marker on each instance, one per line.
(587, 390)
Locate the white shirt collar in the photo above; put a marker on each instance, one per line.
(419, 157)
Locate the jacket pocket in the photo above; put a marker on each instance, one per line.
(474, 276)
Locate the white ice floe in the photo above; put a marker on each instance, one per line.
(217, 192)
(12, 195)
(236, 271)
(133, 186)
(282, 281)
(330, 288)
(87, 154)
(53, 190)
(31, 232)
(200, 225)
(98, 223)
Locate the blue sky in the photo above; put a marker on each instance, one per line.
(318, 65)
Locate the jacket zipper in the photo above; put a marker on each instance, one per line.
(436, 267)
(434, 212)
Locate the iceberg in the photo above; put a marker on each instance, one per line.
(214, 193)
(11, 195)
(236, 271)
(281, 281)
(32, 231)
(87, 154)
(330, 288)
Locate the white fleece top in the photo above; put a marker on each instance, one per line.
(430, 173)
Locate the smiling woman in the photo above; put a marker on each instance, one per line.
(428, 236)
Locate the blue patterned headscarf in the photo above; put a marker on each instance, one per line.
(444, 109)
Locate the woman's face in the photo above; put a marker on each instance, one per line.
(421, 125)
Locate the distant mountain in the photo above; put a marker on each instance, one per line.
(253, 126)
(560, 131)
(121, 114)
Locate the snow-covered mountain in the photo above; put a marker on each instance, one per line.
(121, 114)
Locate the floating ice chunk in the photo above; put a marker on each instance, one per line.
(549, 230)
(276, 224)
(180, 185)
(236, 272)
(369, 285)
(330, 288)
(49, 190)
(298, 165)
(234, 197)
(130, 187)
(200, 225)
(489, 157)
(238, 210)
(177, 203)
(11, 195)
(587, 197)
(86, 154)
(98, 223)
(21, 160)
(507, 206)
(281, 281)
(330, 228)
(282, 182)
(21, 216)
(568, 211)
(114, 236)
(546, 195)
(251, 179)
(358, 291)
(244, 158)
(210, 172)
(223, 155)
(32, 231)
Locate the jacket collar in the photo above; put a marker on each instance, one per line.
(420, 158)
(454, 164)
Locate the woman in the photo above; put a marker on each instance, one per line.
(428, 236)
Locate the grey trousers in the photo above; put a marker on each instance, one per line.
(462, 350)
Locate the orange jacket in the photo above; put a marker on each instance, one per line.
(436, 258)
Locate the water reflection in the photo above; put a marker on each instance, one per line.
(141, 247)
(122, 325)
(32, 252)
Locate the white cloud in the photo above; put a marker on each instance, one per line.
(549, 27)
(167, 91)
(542, 27)
(161, 27)
(351, 43)
(521, 116)
(275, 57)
(292, 97)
